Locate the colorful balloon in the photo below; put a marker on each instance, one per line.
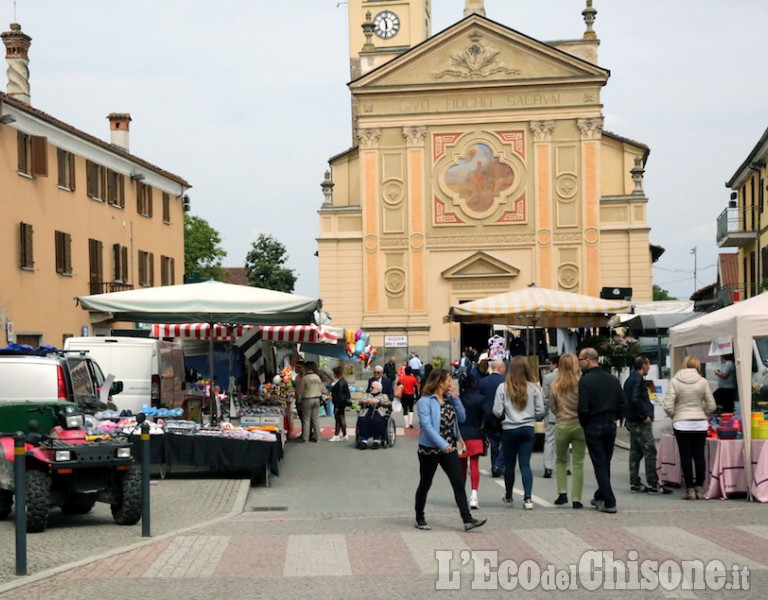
(358, 334)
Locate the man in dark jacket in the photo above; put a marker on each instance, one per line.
(487, 387)
(601, 403)
(386, 384)
(639, 416)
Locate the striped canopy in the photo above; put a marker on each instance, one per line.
(539, 307)
(276, 333)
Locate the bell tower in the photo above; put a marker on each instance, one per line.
(380, 30)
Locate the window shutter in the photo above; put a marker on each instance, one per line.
(91, 179)
(152, 269)
(71, 168)
(21, 142)
(173, 271)
(124, 263)
(39, 155)
(149, 201)
(61, 162)
(67, 253)
(116, 262)
(59, 244)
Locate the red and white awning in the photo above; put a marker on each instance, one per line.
(279, 333)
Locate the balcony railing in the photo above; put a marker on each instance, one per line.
(736, 227)
(104, 287)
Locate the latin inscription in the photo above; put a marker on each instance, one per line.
(481, 102)
(533, 99)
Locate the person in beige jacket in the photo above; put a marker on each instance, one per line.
(688, 403)
(308, 393)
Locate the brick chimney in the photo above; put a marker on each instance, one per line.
(16, 53)
(119, 125)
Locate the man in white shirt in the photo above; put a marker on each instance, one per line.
(415, 365)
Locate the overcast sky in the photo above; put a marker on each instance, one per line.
(247, 99)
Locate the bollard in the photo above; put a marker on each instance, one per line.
(145, 519)
(20, 486)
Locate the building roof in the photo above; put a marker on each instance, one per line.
(22, 106)
(757, 153)
(236, 275)
(729, 269)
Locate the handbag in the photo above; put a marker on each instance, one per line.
(461, 446)
(398, 391)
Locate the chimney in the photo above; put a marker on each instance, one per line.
(16, 53)
(119, 125)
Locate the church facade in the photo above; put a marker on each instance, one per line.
(480, 165)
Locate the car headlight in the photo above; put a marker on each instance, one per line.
(74, 421)
(63, 455)
(123, 453)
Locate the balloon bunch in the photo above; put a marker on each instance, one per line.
(359, 344)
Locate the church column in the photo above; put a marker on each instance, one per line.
(415, 137)
(368, 141)
(591, 133)
(542, 157)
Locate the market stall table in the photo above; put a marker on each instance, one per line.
(725, 467)
(218, 452)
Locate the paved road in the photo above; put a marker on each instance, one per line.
(338, 522)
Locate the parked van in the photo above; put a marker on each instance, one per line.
(152, 370)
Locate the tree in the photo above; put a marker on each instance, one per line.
(202, 252)
(264, 265)
(661, 294)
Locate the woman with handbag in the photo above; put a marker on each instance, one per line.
(518, 403)
(440, 412)
(409, 388)
(473, 436)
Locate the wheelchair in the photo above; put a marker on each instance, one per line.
(389, 437)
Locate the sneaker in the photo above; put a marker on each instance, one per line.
(507, 501)
(335, 438)
(690, 494)
(699, 493)
(375, 445)
(561, 499)
(661, 490)
(577, 504)
(527, 504)
(473, 502)
(497, 473)
(345, 438)
(547, 473)
(596, 503)
(422, 524)
(606, 509)
(638, 488)
(474, 523)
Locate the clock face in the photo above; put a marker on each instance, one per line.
(386, 24)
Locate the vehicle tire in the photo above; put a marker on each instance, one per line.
(391, 432)
(80, 504)
(38, 501)
(128, 512)
(6, 504)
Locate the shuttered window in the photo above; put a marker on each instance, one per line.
(144, 200)
(95, 263)
(63, 253)
(146, 269)
(96, 180)
(166, 208)
(26, 257)
(32, 154)
(115, 189)
(66, 166)
(167, 270)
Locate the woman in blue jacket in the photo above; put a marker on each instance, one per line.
(440, 412)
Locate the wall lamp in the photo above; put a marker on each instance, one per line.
(5, 119)
(137, 176)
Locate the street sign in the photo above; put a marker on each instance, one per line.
(395, 341)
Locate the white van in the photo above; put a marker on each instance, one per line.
(152, 370)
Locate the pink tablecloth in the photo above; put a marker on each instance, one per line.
(725, 467)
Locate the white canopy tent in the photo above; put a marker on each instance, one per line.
(742, 322)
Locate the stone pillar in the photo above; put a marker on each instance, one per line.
(368, 141)
(591, 134)
(17, 54)
(542, 167)
(415, 137)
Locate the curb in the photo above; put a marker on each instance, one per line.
(237, 508)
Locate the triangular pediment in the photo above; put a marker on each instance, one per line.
(480, 265)
(479, 51)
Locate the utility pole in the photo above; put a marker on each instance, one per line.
(695, 284)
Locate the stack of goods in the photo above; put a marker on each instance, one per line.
(759, 426)
(728, 428)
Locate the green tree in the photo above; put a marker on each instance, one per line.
(660, 293)
(202, 251)
(264, 265)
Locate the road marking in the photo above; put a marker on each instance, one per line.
(316, 555)
(500, 482)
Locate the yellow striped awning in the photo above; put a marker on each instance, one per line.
(539, 307)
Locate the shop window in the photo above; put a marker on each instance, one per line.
(63, 253)
(27, 260)
(66, 166)
(32, 154)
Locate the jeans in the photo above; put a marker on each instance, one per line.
(497, 453)
(642, 445)
(691, 445)
(570, 435)
(428, 464)
(600, 437)
(518, 446)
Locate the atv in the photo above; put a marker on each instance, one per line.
(67, 468)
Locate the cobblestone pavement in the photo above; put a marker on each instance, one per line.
(338, 522)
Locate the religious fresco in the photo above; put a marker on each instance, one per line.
(479, 178)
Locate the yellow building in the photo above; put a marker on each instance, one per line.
(479, 166)
(79, 215)
(744, 224)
